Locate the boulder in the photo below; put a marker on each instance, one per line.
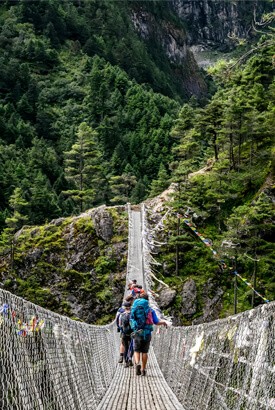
(103, 223)
(166, 297)
(189, 298)
(212, 301)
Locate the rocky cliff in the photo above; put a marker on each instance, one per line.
(165, 36)
(192, 27)
(217, 24)
(75, 266)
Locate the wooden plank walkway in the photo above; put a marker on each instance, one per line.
(127, 390)
(131, 392)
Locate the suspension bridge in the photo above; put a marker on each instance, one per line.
(55, 363)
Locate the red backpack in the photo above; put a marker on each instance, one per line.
(149, 320)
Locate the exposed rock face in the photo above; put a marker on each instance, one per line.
(166, 297)
(189, 298)
(74, 266)
(103, 223)
(173, 41)
(196, 27)
(212, 302)
(215, 24)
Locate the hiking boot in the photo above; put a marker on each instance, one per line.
(130, 363)
(138, 371)
(120, 359)
(143, 372)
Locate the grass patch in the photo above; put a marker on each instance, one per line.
(84, 225)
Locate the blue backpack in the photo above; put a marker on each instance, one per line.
(139, 314)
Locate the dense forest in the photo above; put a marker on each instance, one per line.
(58, 74)
(91, 113)
(231, 198)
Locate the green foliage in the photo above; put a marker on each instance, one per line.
(103, 265)
(104, 320)
(84, 224)
(18, 204)
(121, 188)
(161, 183)
(83, 167)
(58, 72)
(232, 196)
(31, 291)
(89, 114)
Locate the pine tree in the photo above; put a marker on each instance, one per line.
(44, 200)
(14, 222)
(210, 121)
(161, 183)
(18, 204)
(138, 193)
(187, 154)
(83, 167)
(121, 188)
(252, 227)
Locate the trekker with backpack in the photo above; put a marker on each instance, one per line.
(143, 317)
(129, 299)
(125, 331)
(137, 291)
(131, 284)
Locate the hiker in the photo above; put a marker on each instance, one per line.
(143, 317)
(141, 291)
(131, 284)
(121, 347)
(129, 299)
(125, 332)
(134, 289)
(137, 291)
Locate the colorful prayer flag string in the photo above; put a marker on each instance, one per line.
(22, 328)
(251, 287)
(208, 243)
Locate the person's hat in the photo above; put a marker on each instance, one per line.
(126, 304)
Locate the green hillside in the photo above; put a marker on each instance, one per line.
(102, 102)
(231, 200)
(52, 82)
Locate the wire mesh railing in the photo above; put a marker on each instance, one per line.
(226, 364)
(52, 362)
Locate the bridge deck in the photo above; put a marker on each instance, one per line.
(50, 362)
(127, 390)
(131, 392)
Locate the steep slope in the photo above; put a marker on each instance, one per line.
(223, 187)
(74, 266)
(218, 24)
